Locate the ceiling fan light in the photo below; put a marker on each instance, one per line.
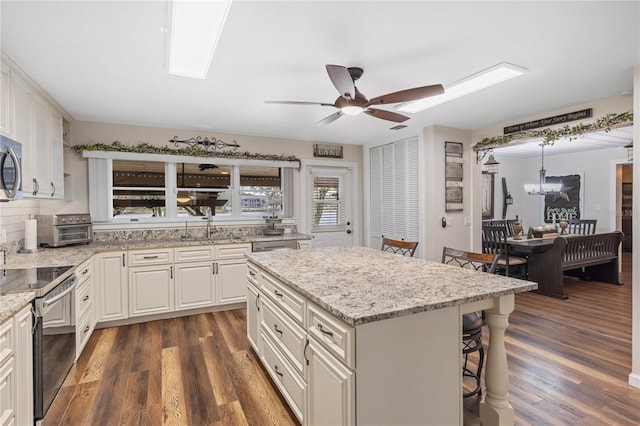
(351, 110)
(478, 81)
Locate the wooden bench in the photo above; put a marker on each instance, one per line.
(593, 257)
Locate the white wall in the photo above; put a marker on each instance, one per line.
(598, 184)
(458, 235)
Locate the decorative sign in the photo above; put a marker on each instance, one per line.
(453, 176)
(564, 204)
(327, 151)
(550, 121)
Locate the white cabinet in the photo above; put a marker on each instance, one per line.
(16, 367)
(194, 279)
(28, 117)
(331, 389)
(6, 110)
(304, 244)
(230, 273)
(111, 283)
(151, 289)
(253, 306)
(85, 312)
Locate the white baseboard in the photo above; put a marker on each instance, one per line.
(634, 380)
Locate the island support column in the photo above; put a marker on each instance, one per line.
(494, 407)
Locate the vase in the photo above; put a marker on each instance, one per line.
(563, 227)
(517, 229)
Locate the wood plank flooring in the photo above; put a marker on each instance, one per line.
(569, 363)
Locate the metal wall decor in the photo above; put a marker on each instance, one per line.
(213, 144)
(453, 176)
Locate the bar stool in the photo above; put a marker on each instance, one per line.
(472, 322)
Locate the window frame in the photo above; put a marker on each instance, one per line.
(100, 170)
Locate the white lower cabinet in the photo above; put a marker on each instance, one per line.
(85, 311)
(194, 285)
(16, 369)
(111, 283)
(151, 290)
(230, 281)
(308, 352)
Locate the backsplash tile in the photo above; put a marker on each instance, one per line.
(217, 231)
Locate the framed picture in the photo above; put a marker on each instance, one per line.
(453, 176)
(568, 203)
(327, 150)
(487, 195)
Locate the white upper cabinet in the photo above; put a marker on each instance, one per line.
(29, 118)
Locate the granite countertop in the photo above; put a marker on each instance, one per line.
(76, 254)
(361, 285)
(12, 303)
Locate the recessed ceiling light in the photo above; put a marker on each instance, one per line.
(196, 27)
(483, 79)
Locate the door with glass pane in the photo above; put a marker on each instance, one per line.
(329, 206)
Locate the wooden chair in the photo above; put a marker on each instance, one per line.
(494, 241)
(405, 248)
(582, 226)
(472, 322)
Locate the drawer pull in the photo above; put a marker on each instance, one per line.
(257, 300)
(84, 299)
(253, 274)
(277, 293)
(277, 372)
(327, 332)
(275, 327)
(304, 351)
(85, 272)
(86, 329)
(150, 257)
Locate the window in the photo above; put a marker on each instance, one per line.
(136, 190)
(326, 207)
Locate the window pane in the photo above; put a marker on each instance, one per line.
(326, 208)
(202, 187)
(139, 189)
(260, 191)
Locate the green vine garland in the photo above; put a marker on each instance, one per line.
(191, 151)
(549, 136)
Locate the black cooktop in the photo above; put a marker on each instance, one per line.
(34, 279)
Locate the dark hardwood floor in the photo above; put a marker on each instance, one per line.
(568, 360)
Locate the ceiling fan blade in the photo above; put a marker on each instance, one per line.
(341, 78)
(330, 119)
(298, 103)
(386, 115)
(408, 95)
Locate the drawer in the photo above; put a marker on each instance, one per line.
(288, 336)
(6, 340)
(8, 392)
(84, 298)
(84, 328)
(286, 299)
(84, 272)
(290, 383)
(150, 257)
(335, 335)
(194, 254)
(231, 251)
(252, 274)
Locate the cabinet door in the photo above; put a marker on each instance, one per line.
(330, 390)
(111, 283)
(55, 186)
(150, 290)
(253, 316)
(6, 101)
(231, 281)
(22, 129)
(8, 392)
(194, 285)
(41, 146)
(24, 367)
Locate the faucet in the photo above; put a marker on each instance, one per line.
(209, 223)
(186, 234)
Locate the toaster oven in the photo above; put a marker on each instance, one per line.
(59, 230)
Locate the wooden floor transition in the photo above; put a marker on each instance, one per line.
(568, 364)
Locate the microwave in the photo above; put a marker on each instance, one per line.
(10, 169)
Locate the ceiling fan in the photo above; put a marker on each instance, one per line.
(352, 102)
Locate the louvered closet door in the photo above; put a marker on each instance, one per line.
(395, 192)
(330, 203)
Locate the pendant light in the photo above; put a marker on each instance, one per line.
(543, 187)
(491, 166)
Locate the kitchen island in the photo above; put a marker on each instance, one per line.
(358, 336)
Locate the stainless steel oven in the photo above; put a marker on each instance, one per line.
(10, 169)
(59, 230)
(54, 327)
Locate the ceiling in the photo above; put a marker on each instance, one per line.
(106, 61)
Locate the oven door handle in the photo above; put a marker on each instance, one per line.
(57, 297)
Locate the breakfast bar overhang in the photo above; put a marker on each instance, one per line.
(403, 316)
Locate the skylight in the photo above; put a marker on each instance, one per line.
(483, 79)
(196, 27)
